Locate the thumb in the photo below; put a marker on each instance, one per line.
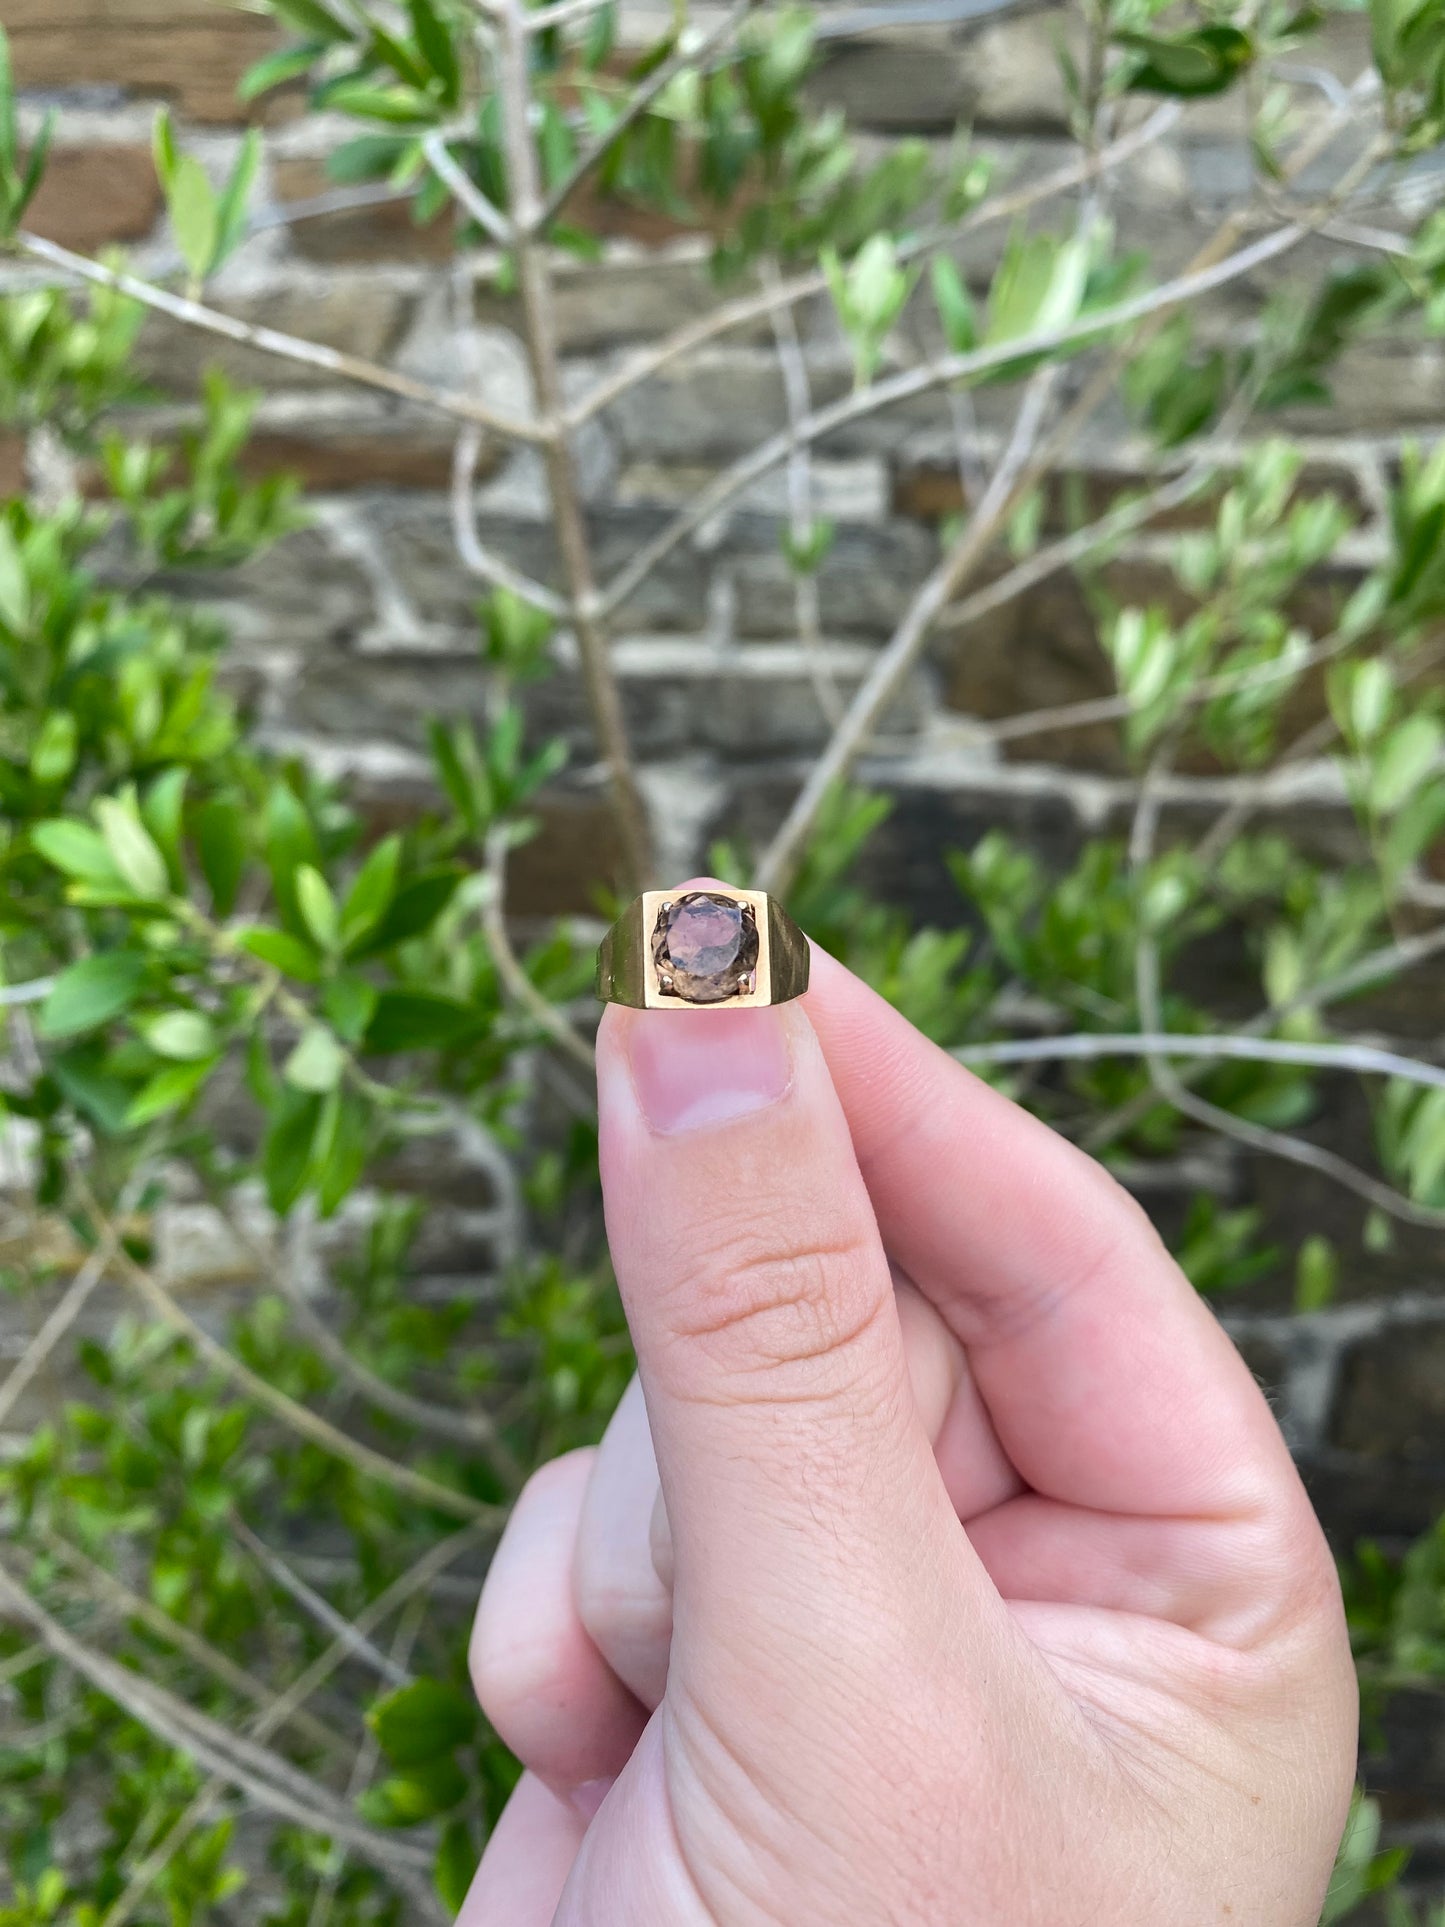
(795, 1467)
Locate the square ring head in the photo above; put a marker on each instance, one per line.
(705, 950)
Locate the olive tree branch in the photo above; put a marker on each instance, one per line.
(464, 190)
(1369, 1059)
(477, 560)
(534, 284)
(321, 1610)
(310, 354)
(793, 366)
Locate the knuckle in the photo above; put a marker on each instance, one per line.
(763, 1296)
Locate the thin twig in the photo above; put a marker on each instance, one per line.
(310, 354)
(34, 992)
(478, 560)
(321, 1610)
(891, 668)
(793, 366)
(1366, 1058)
(464, 190)
(515, 981)
(60, 1320)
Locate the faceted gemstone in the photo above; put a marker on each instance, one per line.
(705, 947)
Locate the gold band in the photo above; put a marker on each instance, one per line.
(702, 950)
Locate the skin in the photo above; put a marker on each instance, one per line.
(944, 1566)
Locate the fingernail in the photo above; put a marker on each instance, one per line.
(585, 1799)
(693, 1069)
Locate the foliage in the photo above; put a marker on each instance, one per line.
(231, 999)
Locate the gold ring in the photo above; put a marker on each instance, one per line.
(732, 949)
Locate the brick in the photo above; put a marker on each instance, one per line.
(385, 232)
(1357, 1497)
(190, 54)
(91, 196)
(905, 860)
(675, 696)
(418, 538)
(865, 583)
(403, 449)
(632, 296)
(1391, 1401)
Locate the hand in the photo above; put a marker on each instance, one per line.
(971, 1583)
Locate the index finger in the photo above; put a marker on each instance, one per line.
(1109, 1381)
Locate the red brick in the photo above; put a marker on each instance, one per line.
(94, 195)
(385, 232)
(182, 51)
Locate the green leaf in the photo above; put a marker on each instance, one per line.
(406, 1799)
(1410, 753)
(276, 69)
(438, 48)
(168, 1091)
(52, 757)
(232, 209)
(221, 845)
(34, 169)
(76, 849)
(457, 1858)
(1316, 1274)
(956, 311)
(290, 842)
(372, 891)
(317, 906)
(91, 992)
(14, 583)
(161, 812)
(401, 106)
(418, 1020)
(349, 1001)
(339, 1171)
(130, 845)
(282, 951)
(97, 1095)
(163, 148)
(1189, 65)
(312, 19)
(422, 1722)
(1038, 287)
(414, 908)
(186, 1035)
(195, 215)
(316, 1063)
(7, 105)
(286, 1155)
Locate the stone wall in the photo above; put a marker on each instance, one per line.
(361, 627)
